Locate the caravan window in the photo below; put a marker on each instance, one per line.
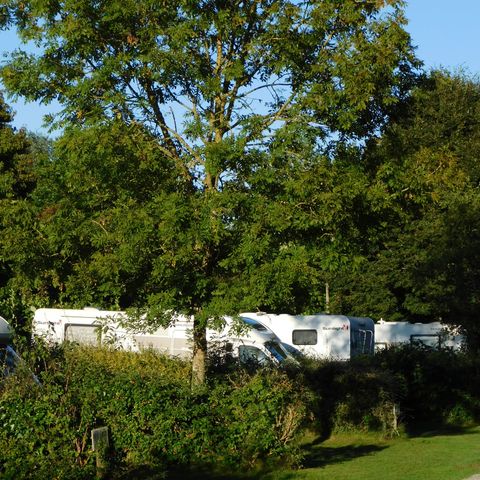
(249, 354)
(276, 350)
(85, 334)
(429, 340)
(304, 337)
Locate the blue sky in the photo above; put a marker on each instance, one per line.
(445, 32)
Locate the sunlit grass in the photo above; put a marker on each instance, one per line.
(439, 455)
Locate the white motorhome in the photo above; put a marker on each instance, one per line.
(326, 336)
(93, 326)
(5, 332)
(430, 334)
(10, 361)
(8, 356)
(89, 326)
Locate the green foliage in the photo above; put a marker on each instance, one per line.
(240, 420)
(205, 89)
(87, 229)
(155, 421)
(353, 396)
(399, 389)
(20, 155)
(423, 190)
(440, 386)
(211, 87)
(339, 60)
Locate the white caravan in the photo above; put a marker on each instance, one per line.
(431, 334)
(9, 359)
(93, 326)
(5, 332)
(88, 326)
(326, 336)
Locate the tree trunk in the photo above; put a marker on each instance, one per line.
(199, 353)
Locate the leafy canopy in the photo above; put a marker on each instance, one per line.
(238, 97)
(211, 77)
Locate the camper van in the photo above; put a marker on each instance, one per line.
(88, 326)
(433, 335)
(10, 361)
(91, 326)
(5, 332)
(326, 336)
(7, 354)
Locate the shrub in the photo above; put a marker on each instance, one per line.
(439, 384)
(355, 395)
(155, 421)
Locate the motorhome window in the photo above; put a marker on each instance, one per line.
(276, 350)
(249, 354)
(304, 337)
(427, 339)
(8, 359)
(254, 324)
(291, 350)
(85, 334)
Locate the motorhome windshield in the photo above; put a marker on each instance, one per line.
(11, 363)
(254, 324)
(8, 359)
(276, 350)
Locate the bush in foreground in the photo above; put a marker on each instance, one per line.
(238, 421)
(242, 420)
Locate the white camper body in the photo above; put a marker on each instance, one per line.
(430, 334)
(92, 326)
(8, 356)
(10, 361)
(326, 336)
(5, 332)
(89, 326)
(254, 343)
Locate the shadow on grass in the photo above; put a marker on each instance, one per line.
(318, 456)
(429, 430)
(177, 473)
(200, 473)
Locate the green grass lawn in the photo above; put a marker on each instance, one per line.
(435, 455)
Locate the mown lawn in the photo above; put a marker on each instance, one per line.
(438, 455)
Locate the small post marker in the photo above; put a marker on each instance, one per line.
(100, 445)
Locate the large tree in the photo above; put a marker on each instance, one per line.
(87, 228)
(19, 154)
(424, 266)
(213, 82)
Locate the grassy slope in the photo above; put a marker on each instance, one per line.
(434, 455)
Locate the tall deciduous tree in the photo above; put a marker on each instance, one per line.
(212, 81)
(425, 264)
(87, 228)
(19, 155)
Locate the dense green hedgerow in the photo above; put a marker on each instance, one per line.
(439, 386)
(398, 388)
(241, 420)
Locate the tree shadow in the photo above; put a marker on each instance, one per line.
(428, 430)
(202, 473)
(179, 472)
(318, 456)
